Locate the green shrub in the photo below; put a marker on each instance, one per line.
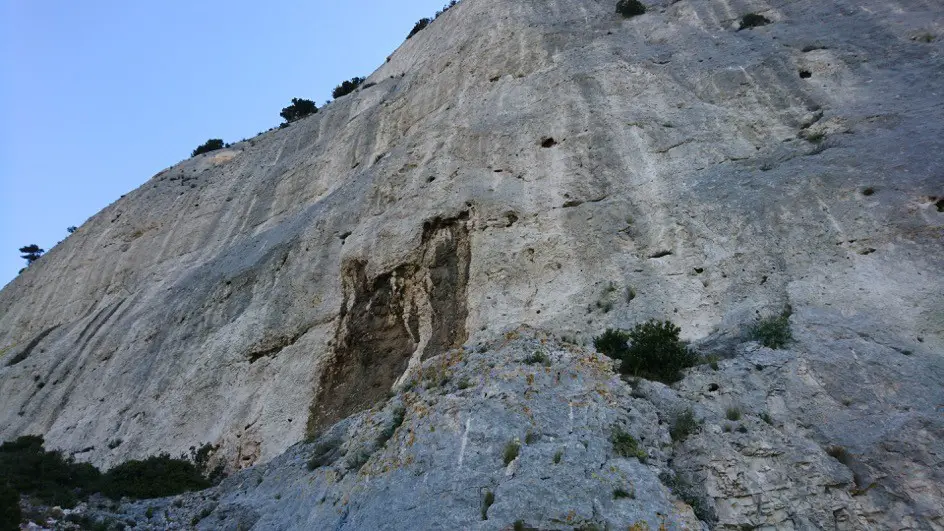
(423, 22)
(683, 425)
(625, 445)
(613, 343)
(48, 476)
(212, 144)
(419, 26)
(154, 477)
(518, 525)
(31, 253)
(655, 351)
(773, 332)
(347, 87)
(511, 451)
(619, 493)
(200, 457)
(630, 8)
(557, 457)
(299, 109)
(486, 503)
(753, 20)
(10, 514)
(538, 358)
(733, 414)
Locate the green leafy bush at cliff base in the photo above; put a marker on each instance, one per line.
(10, 515)
(49, 477)
(153, 477)
(53, 479)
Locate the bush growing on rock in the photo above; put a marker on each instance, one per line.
(654, 351)
(423, 22)
(753, 20)
(53, 479)
(299, 109)
(31, 253)
(613, 343)
(511, 451)
(625, 445)
(683, 425)
(630, 8)
(9, 508)
(419, 26)
(212, 144)
(48, 476)
(154, 477)
(773, 332)
(347, 87)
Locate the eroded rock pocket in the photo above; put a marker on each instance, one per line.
(416, 309)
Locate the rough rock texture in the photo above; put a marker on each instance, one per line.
(803, 453)
(553, 164)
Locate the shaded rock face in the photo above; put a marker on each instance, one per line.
(547, 163)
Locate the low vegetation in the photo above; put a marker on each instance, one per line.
(486, 503)
(683, 425)
(154, 477)
(50, 478)
(511, 451)
(212, 144)
(620, 493)
(630, 8)
(9, 508)
(651, 350)
(538, 358)
(773, 332)
(625, 445)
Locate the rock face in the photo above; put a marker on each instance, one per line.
(522, 429)
(552, 164)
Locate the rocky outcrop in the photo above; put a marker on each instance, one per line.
(522, 430)
(552, 164)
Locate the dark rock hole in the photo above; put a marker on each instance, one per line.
(548, 142)
(806, 74)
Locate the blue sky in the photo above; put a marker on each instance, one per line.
(98, 96)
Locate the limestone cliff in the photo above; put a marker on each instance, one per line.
(551, 164)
